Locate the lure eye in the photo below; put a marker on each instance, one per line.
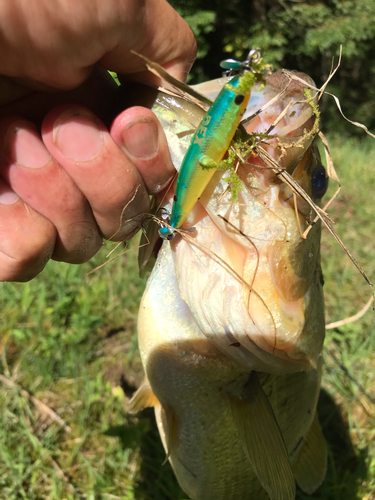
(166, 233)
(239, 99)
(319, 182)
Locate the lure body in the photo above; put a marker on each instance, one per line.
(209, 145)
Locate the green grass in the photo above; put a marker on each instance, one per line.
(70, 340)
(349, 426)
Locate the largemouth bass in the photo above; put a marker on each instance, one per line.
(231, 325)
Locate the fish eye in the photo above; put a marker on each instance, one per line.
(319, 182)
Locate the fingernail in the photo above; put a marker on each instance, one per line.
(7, 196)
(77, 136)
(24, 147)
(140, 138)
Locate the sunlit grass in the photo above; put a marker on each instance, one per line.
(70, 340)
(56, 342)
(353, 345)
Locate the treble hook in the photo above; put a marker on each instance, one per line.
(253, 57)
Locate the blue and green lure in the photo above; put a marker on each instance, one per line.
(210, 142)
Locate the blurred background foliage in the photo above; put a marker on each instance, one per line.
(293, 34)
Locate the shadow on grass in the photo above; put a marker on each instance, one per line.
(156, 481)
(346, 468)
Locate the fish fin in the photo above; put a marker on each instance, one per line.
(146, 252)
(159, 71)
(143, 398)
(262, 440)
(167, 418)
(311, 465)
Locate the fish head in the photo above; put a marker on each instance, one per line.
(251, 280)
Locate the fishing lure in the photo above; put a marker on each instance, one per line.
(211, 140)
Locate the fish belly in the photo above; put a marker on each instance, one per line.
(194, 381)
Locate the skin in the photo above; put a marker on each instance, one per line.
(64, 177)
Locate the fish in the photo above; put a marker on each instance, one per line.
(231, 324)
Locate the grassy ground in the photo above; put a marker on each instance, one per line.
(69, 340)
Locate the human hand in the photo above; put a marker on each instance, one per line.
(65, 188)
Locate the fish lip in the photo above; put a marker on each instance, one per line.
(289, 119)
(297, 120)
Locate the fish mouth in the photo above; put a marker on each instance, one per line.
(290, 87)
(282, 89)
(286, 114)
(257, 293)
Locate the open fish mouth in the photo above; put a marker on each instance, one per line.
(251, 282)
(279, 92)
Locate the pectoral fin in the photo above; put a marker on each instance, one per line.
(311, 465)
(143, 398)
(262, 440)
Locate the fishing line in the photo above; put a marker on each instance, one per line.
(123, 252)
